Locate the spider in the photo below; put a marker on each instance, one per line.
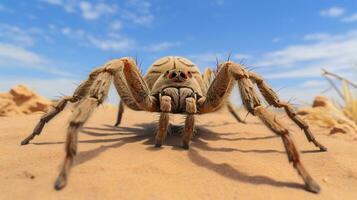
(174, 84)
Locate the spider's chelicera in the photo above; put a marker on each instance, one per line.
(174, 84)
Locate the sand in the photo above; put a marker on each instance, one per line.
(227, 160)
(20, 100)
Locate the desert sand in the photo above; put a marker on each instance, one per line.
(227, 160)
(20, 100)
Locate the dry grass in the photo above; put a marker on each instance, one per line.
(338, 117)
(350, 102)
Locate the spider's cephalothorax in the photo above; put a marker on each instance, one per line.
(174, 84)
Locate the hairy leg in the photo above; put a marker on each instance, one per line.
(233, 111)
(120, 113)
(189, 122)
(272, 99)
(138, 88)
(270, 120)
(165, 107)
(78, 94)
(80, 115)
(208, 77)
(94, 97)
(230, 71)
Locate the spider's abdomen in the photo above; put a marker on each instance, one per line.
(178, 97)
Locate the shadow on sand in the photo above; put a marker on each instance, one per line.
(144, 133)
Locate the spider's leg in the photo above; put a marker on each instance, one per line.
(138, 88)
(165, 107)
(272, 98)
(78, 94)
(126, 97)
(271, 121)
(217, 93)
(189, 122)
(234, 112)
(120, 113)
(96, 95)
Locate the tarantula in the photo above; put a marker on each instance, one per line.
(174, 84)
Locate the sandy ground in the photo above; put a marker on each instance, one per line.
(227, 160)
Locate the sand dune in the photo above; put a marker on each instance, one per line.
(227, 160)
(22, 101)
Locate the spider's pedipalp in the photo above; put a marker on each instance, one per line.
(189, 122)
(165, 107)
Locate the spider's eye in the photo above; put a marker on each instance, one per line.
(167, 72)
(183, 75)
(173, 74)
(190, 74)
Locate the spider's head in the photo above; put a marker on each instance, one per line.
(177, 75)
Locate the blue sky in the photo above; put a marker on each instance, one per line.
(51, 45)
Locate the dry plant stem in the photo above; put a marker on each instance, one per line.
(334, 86)
(120, 113)
(325, 72)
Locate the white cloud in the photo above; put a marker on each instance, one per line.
(350, 19)
(88, 10)
(113, 44)
(113, 41)
(138, 11)
(116, 25)
(241, 56)
(161, 46)
(313, 83)
(317, 36)
(5, 9)
(18, 35)
(210, 59)
(332, 12)
(334, 51)
(53, 2)
(206, 59)
(12, 56)
(276, 40)
(19, 54)
(94, 11)
(73, 33)
(133, 11)
(303, 62)
(219, 2)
